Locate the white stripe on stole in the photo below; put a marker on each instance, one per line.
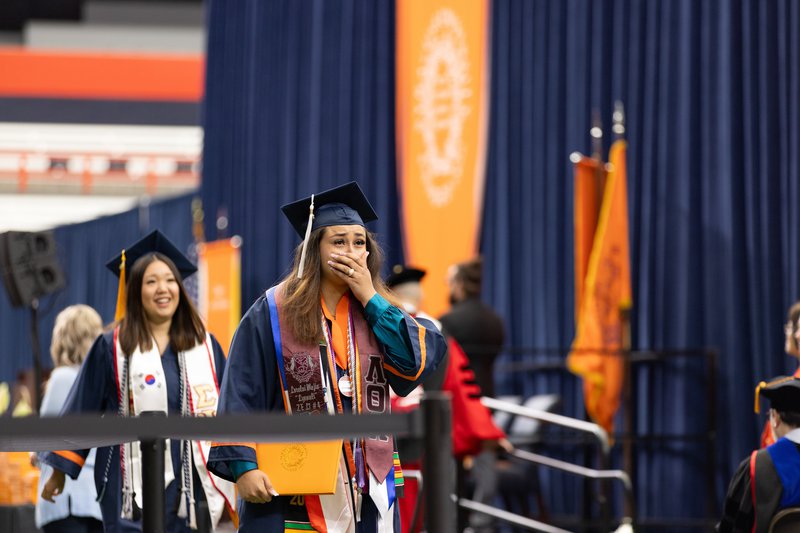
(379, 492)
(337, 508)
(145, 372)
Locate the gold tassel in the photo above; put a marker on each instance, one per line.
(758, 395)
(763, 384)
(121, 291)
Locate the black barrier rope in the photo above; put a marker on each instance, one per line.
(430, 423)
(82, 432)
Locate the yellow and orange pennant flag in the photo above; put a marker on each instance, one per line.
(606, 295)
(442, 120)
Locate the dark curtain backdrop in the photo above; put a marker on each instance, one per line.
(83, 250)
(299, 98)
(713, 122)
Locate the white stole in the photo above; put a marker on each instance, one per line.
(148, 391)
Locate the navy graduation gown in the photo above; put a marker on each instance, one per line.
(252, 384)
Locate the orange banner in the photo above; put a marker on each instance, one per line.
(220, 293)
(442, 118)
(606, 296)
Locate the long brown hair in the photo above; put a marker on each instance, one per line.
(301, 297)
(186, 329)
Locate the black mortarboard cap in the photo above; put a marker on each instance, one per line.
(152, 242)
(403, 274)
(344, 205)
(782, 392)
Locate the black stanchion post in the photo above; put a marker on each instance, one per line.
(153, 511)
(437, 469)
(37, 357)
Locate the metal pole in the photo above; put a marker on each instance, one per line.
(437, 468)
(37, 357)
(628, 457)
(712, 509)
(153, 512)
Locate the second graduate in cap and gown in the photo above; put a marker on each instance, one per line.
(159, 357)
(331, 312)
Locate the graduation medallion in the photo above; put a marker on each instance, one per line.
(346, 386)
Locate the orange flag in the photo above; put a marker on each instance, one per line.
(590, 175)
(606, 294)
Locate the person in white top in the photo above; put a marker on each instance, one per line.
(75, 329)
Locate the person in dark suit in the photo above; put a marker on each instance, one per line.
(476, 327)
(480, 332)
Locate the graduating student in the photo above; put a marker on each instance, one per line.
(769, 479)
(159, 357)
(330, 324)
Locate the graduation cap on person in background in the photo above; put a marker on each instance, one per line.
(403, 274)
(344, 205)
(782, 392)
(153, 242)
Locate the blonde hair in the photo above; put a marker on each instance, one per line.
(75, 329)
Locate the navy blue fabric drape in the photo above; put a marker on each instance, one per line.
(83, 250)
(713, 123)
(299, 98)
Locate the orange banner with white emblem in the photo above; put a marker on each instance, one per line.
(442, 119)
(220, 292)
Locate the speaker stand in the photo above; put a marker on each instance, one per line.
(37, 357)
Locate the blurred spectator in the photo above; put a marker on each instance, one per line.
(476, 327)
(75, 329)
(480, 333)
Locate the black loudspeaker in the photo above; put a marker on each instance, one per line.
(29, 266)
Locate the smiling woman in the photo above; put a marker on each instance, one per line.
(155, 359)
(160, 292)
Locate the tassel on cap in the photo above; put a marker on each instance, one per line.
(301, 268)
(758, 395)
(121, 291)
(783, 393)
